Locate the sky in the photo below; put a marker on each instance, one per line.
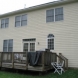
(12, 5)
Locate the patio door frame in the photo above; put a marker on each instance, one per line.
(29, 44)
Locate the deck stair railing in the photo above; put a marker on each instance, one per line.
(65, 60)
(61, 58)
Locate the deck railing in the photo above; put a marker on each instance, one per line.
(65, 60)
(6, 57)
(17, 60)
(47, 58)
(61, 58)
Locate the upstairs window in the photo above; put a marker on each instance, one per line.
(20, 20)
(50, 15)
(50, 42)
(54, 14)
(58, 14)
(5, 23)
(17, 21)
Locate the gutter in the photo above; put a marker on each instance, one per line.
(42, 6)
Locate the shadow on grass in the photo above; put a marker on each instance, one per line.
(26, 72)
(13, 73)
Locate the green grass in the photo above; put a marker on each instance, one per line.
(71, 73)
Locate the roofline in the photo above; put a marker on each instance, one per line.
(61, 2)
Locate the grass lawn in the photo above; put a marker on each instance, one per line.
(71, 73)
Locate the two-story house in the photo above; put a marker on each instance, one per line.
(52, 25)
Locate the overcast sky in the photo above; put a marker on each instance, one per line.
(12, 5)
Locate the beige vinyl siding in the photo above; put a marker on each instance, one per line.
(65, 32)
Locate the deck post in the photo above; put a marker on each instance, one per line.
(12, 59)
(60, 54)
(50, 59)
(1, 58)
(67, 63)
(65, 60)
(26, 61)
(43, 61)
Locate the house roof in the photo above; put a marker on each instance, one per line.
(55, 3)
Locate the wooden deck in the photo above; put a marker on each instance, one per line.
(8, 60)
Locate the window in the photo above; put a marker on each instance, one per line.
(58, 14)
(50, 15)
(5, 23)
(54, 14)
(28, 45)
(32, 46)
(17, 21)
(50, 41)
(20, 20)
(8, 45)
(24, 20)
